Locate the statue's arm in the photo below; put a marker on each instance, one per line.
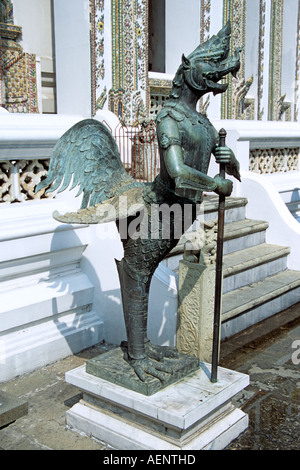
(183, 175)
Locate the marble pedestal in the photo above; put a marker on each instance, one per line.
(192, 414)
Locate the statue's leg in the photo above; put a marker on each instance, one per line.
(135, 311)
(135, 293)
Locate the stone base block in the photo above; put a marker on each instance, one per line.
(113, 368)
(11, 408)
(192, 414)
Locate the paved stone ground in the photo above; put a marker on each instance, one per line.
(272, 399)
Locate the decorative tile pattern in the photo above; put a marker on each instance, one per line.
(205, 20)
(261, 54)
(18, 69)
(20, 81)
(275, 96)
(127, 92)
(6, 12)
(297, 72)
(130, 58)
(2, 87)
(235, 11)
(98, 30)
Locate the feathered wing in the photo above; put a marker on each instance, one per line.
(88, 156)
(115, 208)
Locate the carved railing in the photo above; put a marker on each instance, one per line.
(26, 145)
(21, 173)
(19, 178)
(274, 160)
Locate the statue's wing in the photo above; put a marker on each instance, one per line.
(118, 207)
(87, 156)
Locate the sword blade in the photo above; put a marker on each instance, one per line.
(219, 273)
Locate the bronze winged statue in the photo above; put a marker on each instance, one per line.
(88, 156)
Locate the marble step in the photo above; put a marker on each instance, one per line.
(30, 269)
(48, 298)
(235, 208)
(253, 264)
(294, 208)
(238, 236)
(41, 343)
(255, 302)
(244, 234)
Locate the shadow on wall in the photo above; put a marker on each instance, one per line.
(85, 290)
(163, 302)
(90, 283)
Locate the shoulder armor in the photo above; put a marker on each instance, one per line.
(167, 141)
(171, 112)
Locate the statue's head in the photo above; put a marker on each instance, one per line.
(207, 65)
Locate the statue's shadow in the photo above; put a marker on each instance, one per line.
(79, 295)
(105, 302)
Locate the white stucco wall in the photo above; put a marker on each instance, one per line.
(35, 18)
(182, 31)
(72, 52)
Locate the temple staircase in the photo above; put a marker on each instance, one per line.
(292, 200)
(256, 281)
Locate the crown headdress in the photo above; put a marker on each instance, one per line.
(214, 49)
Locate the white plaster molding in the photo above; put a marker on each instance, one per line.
(32, 135)
(245, 135)
(265, 203)
(45, 296)
(161, 76)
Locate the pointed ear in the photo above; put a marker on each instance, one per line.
(185, 62)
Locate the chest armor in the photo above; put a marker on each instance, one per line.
(197, 140)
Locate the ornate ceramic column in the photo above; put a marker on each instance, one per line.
(18, 69)
(271, 90)
(297, 72)
(235, 11)
(275, 70)
(262, 92)
(120, 69)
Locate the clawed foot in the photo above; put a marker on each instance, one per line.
(158, 353)
(145, 366)
(152, 364)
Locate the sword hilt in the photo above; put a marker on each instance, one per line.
(222, 136)
(222, 143)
